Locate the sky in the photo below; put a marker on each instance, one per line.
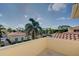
(48, 15)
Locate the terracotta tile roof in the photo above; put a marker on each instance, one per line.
(16, 33)
(66, 35)
(71, 32)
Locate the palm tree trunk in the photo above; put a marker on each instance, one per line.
(33, 35)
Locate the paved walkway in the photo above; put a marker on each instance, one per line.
(48, 52)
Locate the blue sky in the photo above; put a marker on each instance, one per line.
(48, 15)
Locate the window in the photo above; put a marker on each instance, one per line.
(16, 39)
(22, 38)
(76, 30)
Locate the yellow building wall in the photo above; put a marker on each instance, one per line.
(70, 30)
(66, 47)
(33, 47)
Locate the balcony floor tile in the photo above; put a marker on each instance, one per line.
(49, 52)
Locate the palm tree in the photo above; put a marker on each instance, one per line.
(9, 30)
(33, 28)
(49, 30)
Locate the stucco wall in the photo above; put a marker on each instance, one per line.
(66, 47)
(33, 47)
(70, 30)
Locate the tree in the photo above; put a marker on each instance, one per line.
(14, 30)
(1, 30)
(46, 31)
(50, 31)
(33, 28)
(43, 31)
(63, 28)
(9, 30)
(20, 29)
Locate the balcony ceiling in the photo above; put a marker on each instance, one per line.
(75, 11)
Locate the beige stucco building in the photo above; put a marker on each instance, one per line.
(74, 29)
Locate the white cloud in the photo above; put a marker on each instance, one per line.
(38, 19)
(25, 16)
(56, 6)
(63, 18)
(49, 7)
(40, 23)
(1, 15)
(4, 24)
(20, 25)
